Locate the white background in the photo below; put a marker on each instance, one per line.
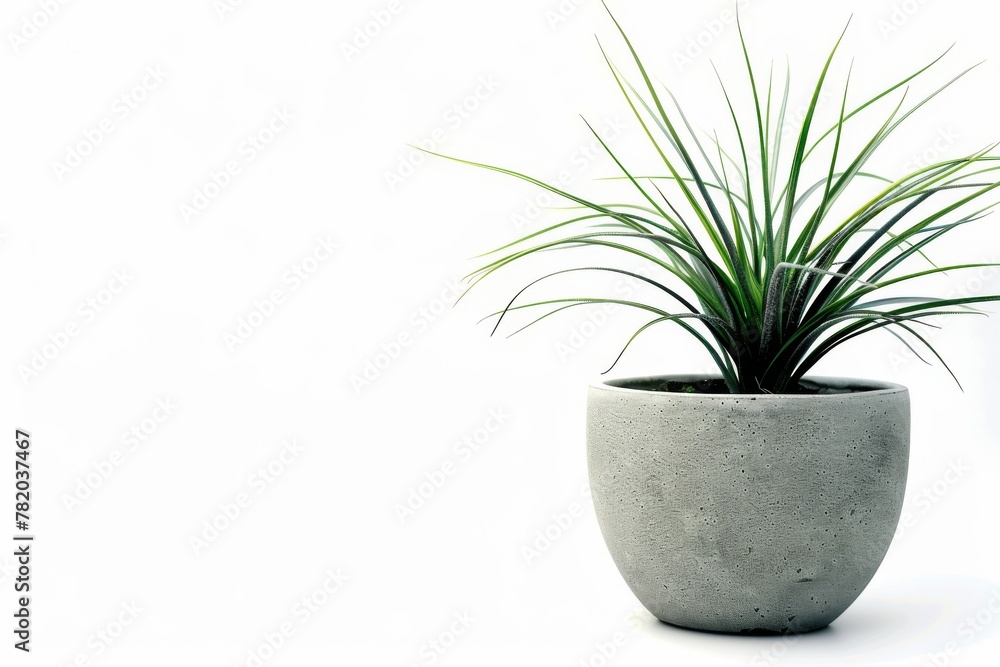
(124, 538)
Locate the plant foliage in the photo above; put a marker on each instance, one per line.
(752, 261)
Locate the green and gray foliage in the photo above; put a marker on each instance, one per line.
(752, 262)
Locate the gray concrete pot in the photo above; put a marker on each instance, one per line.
(748, 514)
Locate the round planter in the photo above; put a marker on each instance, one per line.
(748, 513)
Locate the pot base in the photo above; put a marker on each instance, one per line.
(755, 632)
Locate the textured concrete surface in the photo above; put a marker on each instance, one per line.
(746, 514)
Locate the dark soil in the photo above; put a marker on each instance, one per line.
(719, 387)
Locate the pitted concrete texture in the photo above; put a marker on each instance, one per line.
(748, 514)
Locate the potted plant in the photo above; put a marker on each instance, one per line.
(759, 499)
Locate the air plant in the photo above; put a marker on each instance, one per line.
(752, 262)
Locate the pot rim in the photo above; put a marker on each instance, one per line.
(857, 387)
